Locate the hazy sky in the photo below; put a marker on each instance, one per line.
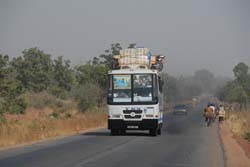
(193, 34)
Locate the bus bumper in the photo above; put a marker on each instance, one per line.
(144, 124)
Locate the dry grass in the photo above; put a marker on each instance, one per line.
(38, 124)
(238, 121)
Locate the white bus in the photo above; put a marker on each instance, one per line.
(135, 101)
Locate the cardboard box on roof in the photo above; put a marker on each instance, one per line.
(143, 60)
(134, 51)
(128, 52)
(142, 51)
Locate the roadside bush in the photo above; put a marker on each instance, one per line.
(55, 115)
(1, 106)
(59, 92)
(15, 105)
(2, 118)
(88, 96)
(43, 99)
(247, 136)
(67, 115)
(39, 100)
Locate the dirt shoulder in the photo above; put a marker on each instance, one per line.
(235, 155)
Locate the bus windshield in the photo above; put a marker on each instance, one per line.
(133, 88)
(122, 88)
(143, 87)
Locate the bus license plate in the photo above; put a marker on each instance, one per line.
(132, 127)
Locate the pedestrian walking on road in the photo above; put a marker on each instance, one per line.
(209, 115)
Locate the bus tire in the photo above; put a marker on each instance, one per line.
(153, 132)
(159, 131)
(122, 132)
(114, 132)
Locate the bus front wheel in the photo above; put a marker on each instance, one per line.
(153, 132)
(159, 131)
(114, 132)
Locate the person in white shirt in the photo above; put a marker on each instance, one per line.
(222, 114)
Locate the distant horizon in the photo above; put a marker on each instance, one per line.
(75, 63)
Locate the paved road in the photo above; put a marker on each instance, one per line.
(185, 142)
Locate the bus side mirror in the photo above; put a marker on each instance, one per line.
(109, 97)
(161, 82)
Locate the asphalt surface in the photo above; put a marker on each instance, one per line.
(185, 142)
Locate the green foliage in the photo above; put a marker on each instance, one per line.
(63, 78)
(55, 115)
(63, 73)
(247, 136)
(109, 53)
(44, 81)
(239, 89)
(234, 92)
(88, 95)
(67, 115)
(14, 105)
(10, 89)
(96, 61)
(92, 73)
(2, 118)
(241, 72)
(132, 45)
(205, 79)
(170, 89)
(4, 70)
(34, 69)
(184, 88)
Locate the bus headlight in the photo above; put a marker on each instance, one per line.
(116, 116)
(149, 115)
(149, 111)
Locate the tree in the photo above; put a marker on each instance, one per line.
(96, 61)
(239, 89)
(132, 45)
(4, 61)
(10, 89)
(92, 73)
(170, 89)
(88, 95)
(34, 69)
(4, 69)
(63, 77)
(203, 74)
(109, 53)
(233, 92)
(184, 88)
(205, 79)
(241, 72)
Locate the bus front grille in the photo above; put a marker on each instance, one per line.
(130, 111)
(132, 117)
